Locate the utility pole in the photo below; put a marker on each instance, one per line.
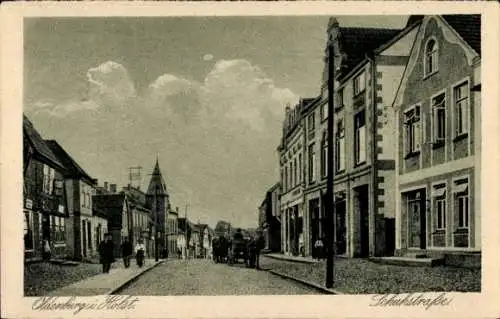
(330, 203)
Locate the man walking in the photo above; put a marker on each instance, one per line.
(126, 252)
(106, 253)
(261, 244)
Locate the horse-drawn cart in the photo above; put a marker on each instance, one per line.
(238, 250)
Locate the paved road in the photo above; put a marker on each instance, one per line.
(204, 277)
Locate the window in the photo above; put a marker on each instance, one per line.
(295, 171)
(28, 231)
(360, 137)
(340, 146)
(290, 182)
(462, 203)
(439, 195)
(439, 118)
(282, 179)
(413, 130)
(324, 111)
(310, 122)
(312, 160)
(324, 156)
(89, 200)
(285, 186)
(461, 95)
(89, 234)
(48, 179)
(431, 57)
(300, 167)
(359, 83)
(340, 96)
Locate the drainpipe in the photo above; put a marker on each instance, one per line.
(374, 170)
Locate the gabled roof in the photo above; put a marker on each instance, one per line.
(40, 148)
(73, 170)
(468, 26)
(355, 43)
(157, 185)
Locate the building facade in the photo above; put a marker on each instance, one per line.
(44, 198)
(269, 220)
(438, 112)
(172, 231)
(291, 161)
(116, 208)
(79, 188)
(369, 64)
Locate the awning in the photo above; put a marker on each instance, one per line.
(461, 188)
(438, 192)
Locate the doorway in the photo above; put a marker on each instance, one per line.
(417, 218)
(341, 233)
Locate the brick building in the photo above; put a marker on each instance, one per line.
(438, 111)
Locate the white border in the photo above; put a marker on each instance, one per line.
(225, 307)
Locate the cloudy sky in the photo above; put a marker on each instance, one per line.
(205, 94)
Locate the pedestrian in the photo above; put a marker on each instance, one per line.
(126, 252)
(46, 252)
(139, 252)
(179, 254)
(261, 244)
(106, 253)
(318, 247)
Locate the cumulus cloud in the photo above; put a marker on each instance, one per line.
(110, 84)
(234, 91)
(242, 92)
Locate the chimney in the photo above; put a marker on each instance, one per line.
(106, 185)
(112, 188)
(177, 210)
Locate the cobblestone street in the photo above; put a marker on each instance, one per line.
(204, 277)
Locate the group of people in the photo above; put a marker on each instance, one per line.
(107, 252)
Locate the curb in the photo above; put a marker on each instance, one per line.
(307, 283)
(291, 260)
(130, 280)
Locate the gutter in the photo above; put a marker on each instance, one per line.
(374, 172)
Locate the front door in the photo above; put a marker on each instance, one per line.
(340, 239)
(418, 221)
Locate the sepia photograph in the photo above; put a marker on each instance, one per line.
(253, 155)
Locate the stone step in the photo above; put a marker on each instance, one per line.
(408, 261)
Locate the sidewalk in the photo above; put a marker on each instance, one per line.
(361, 276)
(106, 284)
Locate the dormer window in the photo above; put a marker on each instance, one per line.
(431, 57)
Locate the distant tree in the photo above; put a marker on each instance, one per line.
(222, 227)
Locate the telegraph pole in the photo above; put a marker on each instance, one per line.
(330, 204)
